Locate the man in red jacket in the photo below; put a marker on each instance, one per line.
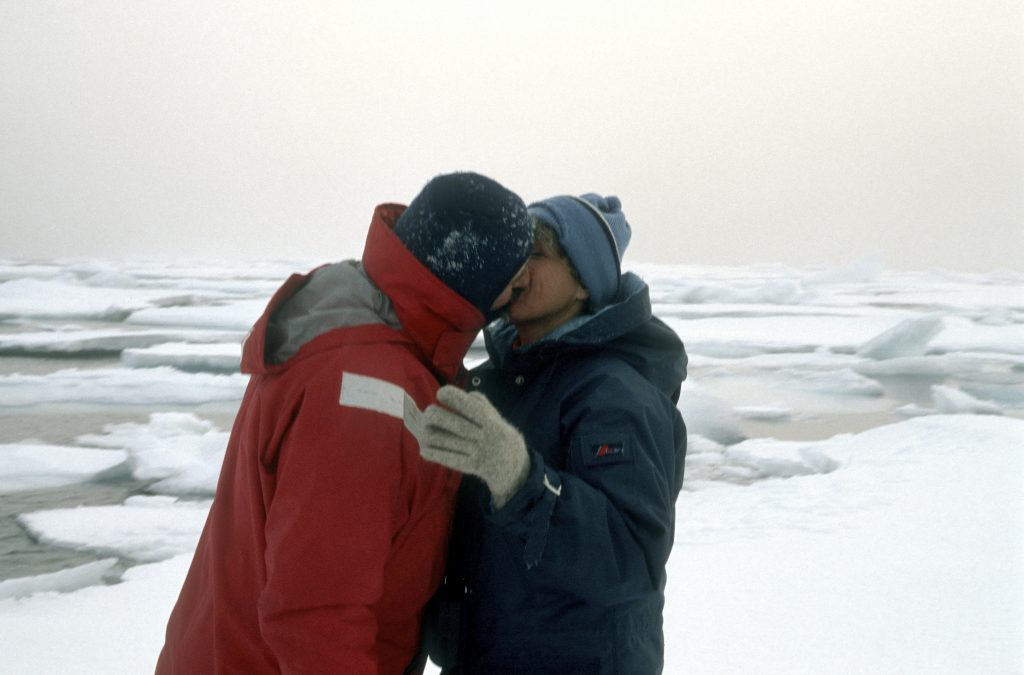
(328, 532)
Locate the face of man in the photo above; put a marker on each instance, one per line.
(509, 291)
(545, 295)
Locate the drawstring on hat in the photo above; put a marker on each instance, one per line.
(607, 231)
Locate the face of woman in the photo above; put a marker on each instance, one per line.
(545, 294)
(507, 294)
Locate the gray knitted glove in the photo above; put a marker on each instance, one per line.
(470, 436)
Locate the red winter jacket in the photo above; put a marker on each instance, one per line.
(328, 532)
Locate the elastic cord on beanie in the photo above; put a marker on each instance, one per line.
(606, 226)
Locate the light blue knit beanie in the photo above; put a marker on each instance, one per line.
(594, 233)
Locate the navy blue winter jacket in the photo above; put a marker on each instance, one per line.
(569, 576)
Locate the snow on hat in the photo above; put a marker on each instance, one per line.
(471, 232)
(594, 234)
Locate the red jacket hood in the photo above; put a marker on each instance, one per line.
(439, 322)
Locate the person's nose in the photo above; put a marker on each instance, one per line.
(522, 280)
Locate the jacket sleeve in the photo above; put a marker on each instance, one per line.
(603, 527)
(328, 531)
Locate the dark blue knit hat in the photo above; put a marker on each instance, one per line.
(594, 234)
(471, 232)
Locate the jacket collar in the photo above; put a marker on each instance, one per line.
(625, 329)
(630, 310)
(438, 320)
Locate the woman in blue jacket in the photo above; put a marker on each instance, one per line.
(573, 463)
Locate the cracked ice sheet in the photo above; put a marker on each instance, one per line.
(966, 365)
(951, 293)
(238, 315)
(144, 528)
(812, 574)
(845, 334)
(179, 451)
(690, 311)
(802, 333)
(963, 335)
(72, 339)
(216, 274)
(120, 386)
(736, 337)
(33, 466)
(45, 299)
(216, 357)
(64, 581)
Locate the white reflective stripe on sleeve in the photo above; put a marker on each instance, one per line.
(369, 393)
(413, 418)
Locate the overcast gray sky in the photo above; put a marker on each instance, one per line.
(735, 132)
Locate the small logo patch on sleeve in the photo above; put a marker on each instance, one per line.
(603, 448)
(608, 450)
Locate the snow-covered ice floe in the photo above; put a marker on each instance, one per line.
(180, 452)
(949, 400)
(120, 386)
(892, 550)
(143, 528)
(174, 453)
(50, 299)
(33, 466)
(913, 524)
(238, 315)
(708, 415)
(64, 581)
(216, 357)
(70, 340)
(909, 337)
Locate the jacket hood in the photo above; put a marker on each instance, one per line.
(333, 296)
(388, 292)
(625, 328)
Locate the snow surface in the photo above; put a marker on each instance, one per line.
(854, 494)
(99, 630)
(907, 558)
(885, 559)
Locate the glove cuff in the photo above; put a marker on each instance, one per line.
(515, 480)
